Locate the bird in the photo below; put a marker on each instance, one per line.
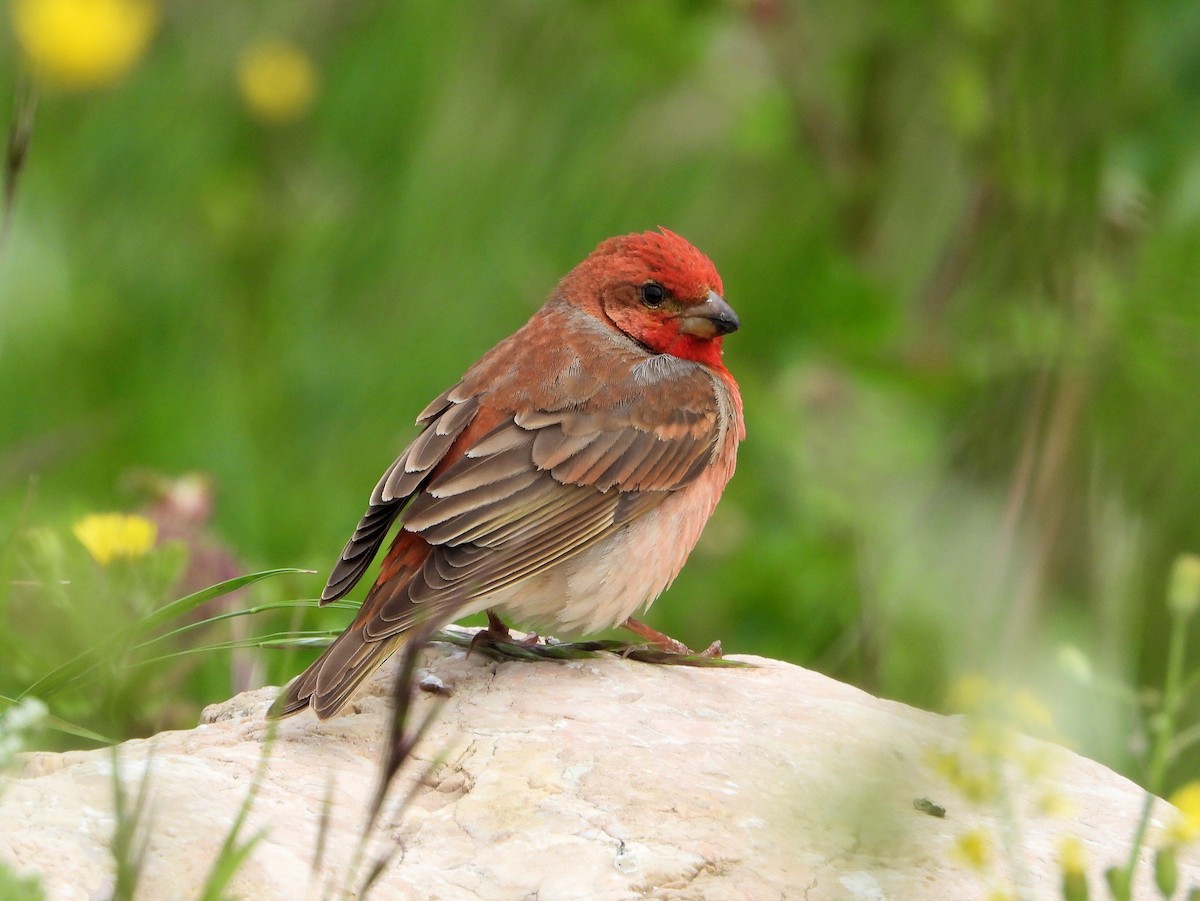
(563, 480)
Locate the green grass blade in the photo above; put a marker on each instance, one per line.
(73, 669)
(294, 604)
(233, 855)
(50, 721)
(60, 725)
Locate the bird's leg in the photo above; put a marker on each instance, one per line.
(666, 642)
(496, 628)
(495, 632)
(498, 633)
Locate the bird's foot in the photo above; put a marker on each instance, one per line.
(665, 642)
(497, 632)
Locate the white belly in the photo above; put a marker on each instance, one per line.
(606, 584)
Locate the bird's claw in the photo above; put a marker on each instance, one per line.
(674, 646)
(668, 644)
(497, 632)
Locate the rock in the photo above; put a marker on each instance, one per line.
(595, 779)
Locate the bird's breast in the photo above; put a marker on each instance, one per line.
(612, 580)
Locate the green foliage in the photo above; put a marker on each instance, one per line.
(131, 834)
(995, 748)
(961, 238)
(92, 641)
(235, 850)
(19, 888)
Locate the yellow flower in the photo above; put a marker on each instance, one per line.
(979, 785)
(1183, 595)
(1052, 804)
(970, 694)
(973, 777)
(277, 81)
(1186, 827)
(108, 536)
(1073, 862)
(1029, 712)
(946, 764)
(974, 848)
(1036, 761)
(988, 739)
(1070, 855)
(82, 44)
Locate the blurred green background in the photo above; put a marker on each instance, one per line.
(963, 238)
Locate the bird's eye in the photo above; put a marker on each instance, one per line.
(653, 294)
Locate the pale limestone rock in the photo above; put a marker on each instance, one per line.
(597, 779)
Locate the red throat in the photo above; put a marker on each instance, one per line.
(667, 339)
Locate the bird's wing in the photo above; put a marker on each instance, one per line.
(444, 422)
(542, 485)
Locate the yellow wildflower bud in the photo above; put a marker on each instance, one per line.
(988, 739)
(1070, 855)
(1052, 804)
(1186, 826)
(1029, 712)
(980, 785)
(1183, 594)
(974, 848)
(277, 81)
(108, 536)
(970, 694)
(1073, 863)
(80, 44)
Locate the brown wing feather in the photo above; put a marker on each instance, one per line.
(444, 421)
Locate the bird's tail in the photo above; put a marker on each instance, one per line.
(333, 678)
(336, 675)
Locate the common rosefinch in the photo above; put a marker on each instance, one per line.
(565, 478)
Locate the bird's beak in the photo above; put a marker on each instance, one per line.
(710, 318)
